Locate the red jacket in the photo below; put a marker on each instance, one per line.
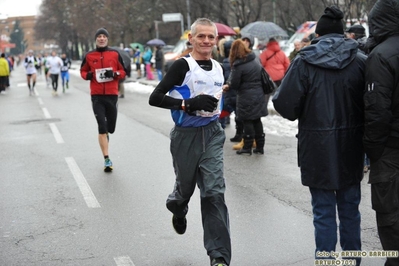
(274, 61)
(97, 61)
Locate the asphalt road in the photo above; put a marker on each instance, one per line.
(58, 207)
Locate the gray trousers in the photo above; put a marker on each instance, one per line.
(197, 155)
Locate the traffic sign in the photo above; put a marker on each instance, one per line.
(169, 17)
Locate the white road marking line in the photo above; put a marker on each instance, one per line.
(84, 187)
(46, 113)
(56, 133)
(40, 101)
(123, 261)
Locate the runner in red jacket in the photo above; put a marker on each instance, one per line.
(103, 67)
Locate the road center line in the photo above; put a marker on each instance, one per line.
(46, 113)
(84, 187)
(40, 101)
(56, 133)
(123, 261)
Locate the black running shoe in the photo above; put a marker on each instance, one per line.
(179, 224)
(218, 262)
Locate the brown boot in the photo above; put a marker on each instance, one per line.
(239, 145)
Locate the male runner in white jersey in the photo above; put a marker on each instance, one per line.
(194, 84)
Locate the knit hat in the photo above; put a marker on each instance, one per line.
(250, 38)
(330, 21)
(101, 31)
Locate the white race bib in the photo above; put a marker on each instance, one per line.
(216, 111)
(100, 75)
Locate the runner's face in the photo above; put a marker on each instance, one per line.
(101, 40)
(204, 40)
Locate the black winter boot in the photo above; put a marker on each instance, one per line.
(260, 144)
(239, 131)
(247, 149)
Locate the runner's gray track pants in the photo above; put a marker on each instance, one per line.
(198, 160)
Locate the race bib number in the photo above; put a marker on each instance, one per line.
(216, 111)
(64, 68)
(100, 77)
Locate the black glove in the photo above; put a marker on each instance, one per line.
(89, 75)
(109, 73)
(201, 102)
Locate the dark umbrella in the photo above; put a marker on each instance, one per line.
(156, 42)
(224, 30)
(264, 30)
(126, 59)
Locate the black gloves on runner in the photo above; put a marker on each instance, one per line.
(201, 102)
(109, 73)
(89, 75)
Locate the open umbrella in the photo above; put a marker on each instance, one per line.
(224, 30)
(135, 44)
(126, 59)
(156, 42)
(264, 30)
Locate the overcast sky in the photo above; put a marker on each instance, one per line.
(15, 8)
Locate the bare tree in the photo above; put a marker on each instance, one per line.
(72, 23)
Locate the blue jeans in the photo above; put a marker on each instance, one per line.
(159, 72)
(325, 203)
(366, 160)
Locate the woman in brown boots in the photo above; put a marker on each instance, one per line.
(251, 103)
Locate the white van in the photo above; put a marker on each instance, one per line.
(303, 31)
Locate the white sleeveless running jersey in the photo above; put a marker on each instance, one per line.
(198, 81)
(30, 67)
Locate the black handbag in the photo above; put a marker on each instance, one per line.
(268, 85)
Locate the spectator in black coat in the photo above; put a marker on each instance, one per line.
(323, 88)
(251, 103)
(381, 138)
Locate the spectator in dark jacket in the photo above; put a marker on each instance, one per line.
(323, 89)
(381, 138)
(358, 32)
(159, 62)
(229, 97)
(251, 103)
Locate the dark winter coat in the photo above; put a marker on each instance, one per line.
(159, 59)
(230, 96)
(245, 79)
(382, 85)
(323, 89)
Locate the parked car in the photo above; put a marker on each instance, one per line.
(179, 47)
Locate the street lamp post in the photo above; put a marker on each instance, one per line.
(156, 28)
(188, 14)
